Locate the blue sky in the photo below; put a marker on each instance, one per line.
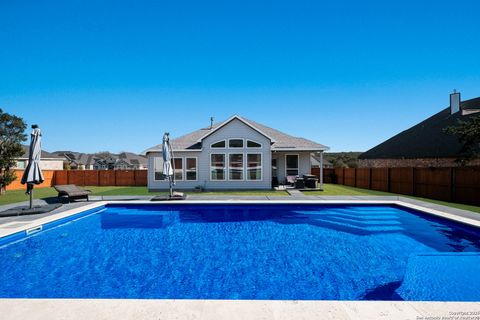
(105, 75)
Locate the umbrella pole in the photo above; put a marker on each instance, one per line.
(171, 188)
(31, 198)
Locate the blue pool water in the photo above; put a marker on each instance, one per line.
(301, 252)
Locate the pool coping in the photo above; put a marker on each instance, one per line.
(238, 309)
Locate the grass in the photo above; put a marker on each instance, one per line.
(340, 190)
(329, 190)
(14, 196)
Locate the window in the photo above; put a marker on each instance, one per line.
(252, 144)
(178, 166)
(21, 164)
(158, 168)
(218, 144)
(235, 169)
(291, 164)
(274, 168)
(217, 166)
(235, 143)
(254, 166)
(191, 169)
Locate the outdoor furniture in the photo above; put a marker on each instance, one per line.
(311, 183)
(275, 182)
(72, 191)
(300, 183)
(291, 180)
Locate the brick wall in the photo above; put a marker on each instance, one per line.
(416, 163)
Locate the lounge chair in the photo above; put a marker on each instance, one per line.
(72, 191)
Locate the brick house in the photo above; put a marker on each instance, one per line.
(426, 144)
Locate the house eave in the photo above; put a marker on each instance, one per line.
(174, 150)
(293, 149)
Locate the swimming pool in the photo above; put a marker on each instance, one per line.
(245, 251)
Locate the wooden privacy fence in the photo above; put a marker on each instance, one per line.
(455, 184)
(87, 178)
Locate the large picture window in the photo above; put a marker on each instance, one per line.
(235, 166)
(291, 164)
(178, 166)
(217, 166)
(158, 168)
(254, 166)
(191, 169)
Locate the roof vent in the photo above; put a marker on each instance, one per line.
(211, 122)
(454, 102)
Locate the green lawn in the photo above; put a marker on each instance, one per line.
(330, 190)
(19, 195)
(340, 190)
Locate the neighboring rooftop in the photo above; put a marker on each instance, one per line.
(427, 139)
(45, 154)
(280, 141)
(88, 159)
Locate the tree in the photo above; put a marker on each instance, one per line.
(12, 135)
(468, 133)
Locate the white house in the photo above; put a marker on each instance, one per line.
(234, 154)
(48, 161)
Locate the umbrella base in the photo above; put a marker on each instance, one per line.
(25, 210)
(175, 196)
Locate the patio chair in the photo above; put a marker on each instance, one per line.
(290, 180)
(72, 192)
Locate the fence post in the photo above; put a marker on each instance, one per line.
(370, 178)
(414, 192)
(355, 177)
(388, 180)
(453, 187)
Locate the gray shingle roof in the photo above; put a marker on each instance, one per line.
(281, 141)
(426, 139)
(88, 159)
(45, 154)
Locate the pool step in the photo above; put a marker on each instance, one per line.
(448, 276)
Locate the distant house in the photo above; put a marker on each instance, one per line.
(234, 154)
(122, 161)
(425, 144)
(48, 161)
(317, 162)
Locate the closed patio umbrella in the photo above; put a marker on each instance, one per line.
(33, 174)
(168, 170)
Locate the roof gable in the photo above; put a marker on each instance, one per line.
(225, 123)
(280, 140)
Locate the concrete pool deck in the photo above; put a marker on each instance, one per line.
(233, 309)
(72, 309)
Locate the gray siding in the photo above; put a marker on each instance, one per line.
(234, 129)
